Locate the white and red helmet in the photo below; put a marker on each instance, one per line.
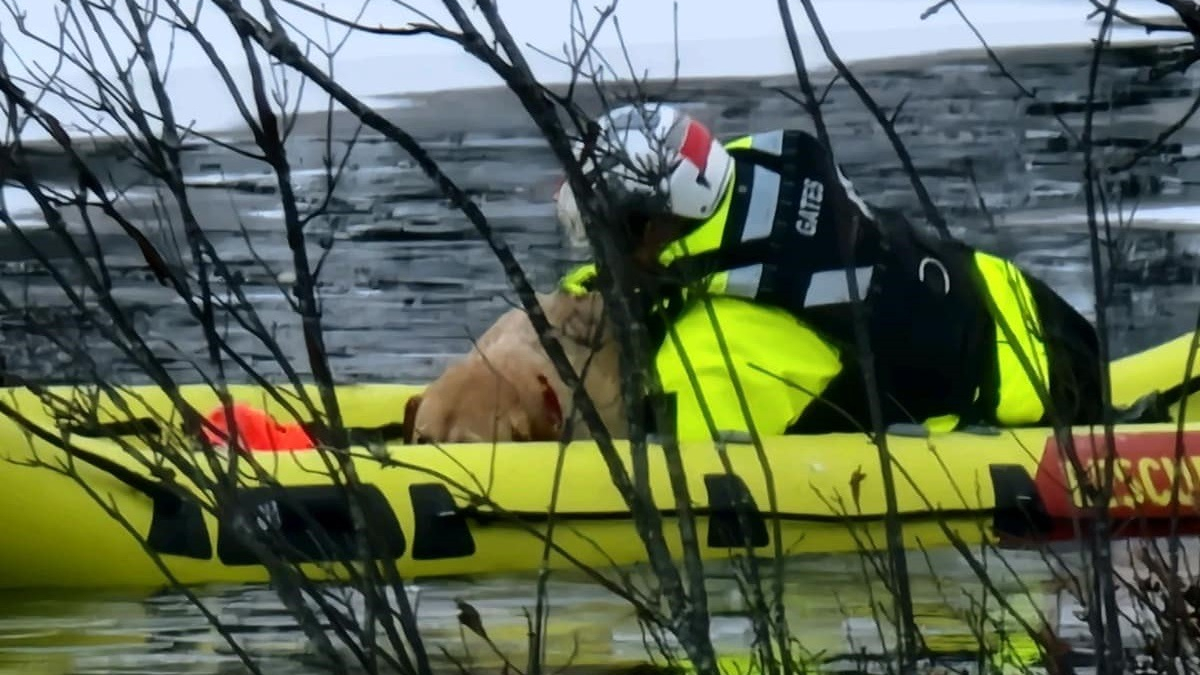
(655, 150)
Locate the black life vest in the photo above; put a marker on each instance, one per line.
(928, 324)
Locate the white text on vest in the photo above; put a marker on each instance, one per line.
(810, 207)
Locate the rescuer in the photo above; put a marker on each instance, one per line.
(751, 228)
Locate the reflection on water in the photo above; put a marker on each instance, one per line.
(835, 608)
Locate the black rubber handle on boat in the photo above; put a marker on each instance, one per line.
(133, 427)
(147, 426)
(364, 435)
(1154, 407)
(1170, 397)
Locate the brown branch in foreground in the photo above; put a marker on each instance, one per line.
(170, 175)
(279, 46)
(430, 24)
(905, 626)
(1160, 140)
(158, 165)
(333, 433)
(1150, 26)
(1189, 15)
(930, 209)
(689, 608)
(1106, 629)
(649, 520)
(996, 61)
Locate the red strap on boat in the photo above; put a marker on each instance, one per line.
(257, 430)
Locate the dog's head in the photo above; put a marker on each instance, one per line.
(506, 389)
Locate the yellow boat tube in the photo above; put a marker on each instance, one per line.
(102, 513)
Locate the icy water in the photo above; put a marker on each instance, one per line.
(829, 611)
(836, 607)
(407, 281)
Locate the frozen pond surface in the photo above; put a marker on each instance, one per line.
(408, 280)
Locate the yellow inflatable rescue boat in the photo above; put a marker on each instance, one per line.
(91, 507)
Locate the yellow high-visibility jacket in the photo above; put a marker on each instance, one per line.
(957, 333)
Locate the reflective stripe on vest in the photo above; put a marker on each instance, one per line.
(707, 237)
(1018, 402)
(760, 217)
(827, 287)
(760, 220)
(832, 287)
(764, 199)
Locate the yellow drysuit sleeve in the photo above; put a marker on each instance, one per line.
(798, 363)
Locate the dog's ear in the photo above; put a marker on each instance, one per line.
(410, 418)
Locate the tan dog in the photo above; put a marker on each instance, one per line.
(506, 388)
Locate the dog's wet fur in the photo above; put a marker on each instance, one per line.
(507, 390)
